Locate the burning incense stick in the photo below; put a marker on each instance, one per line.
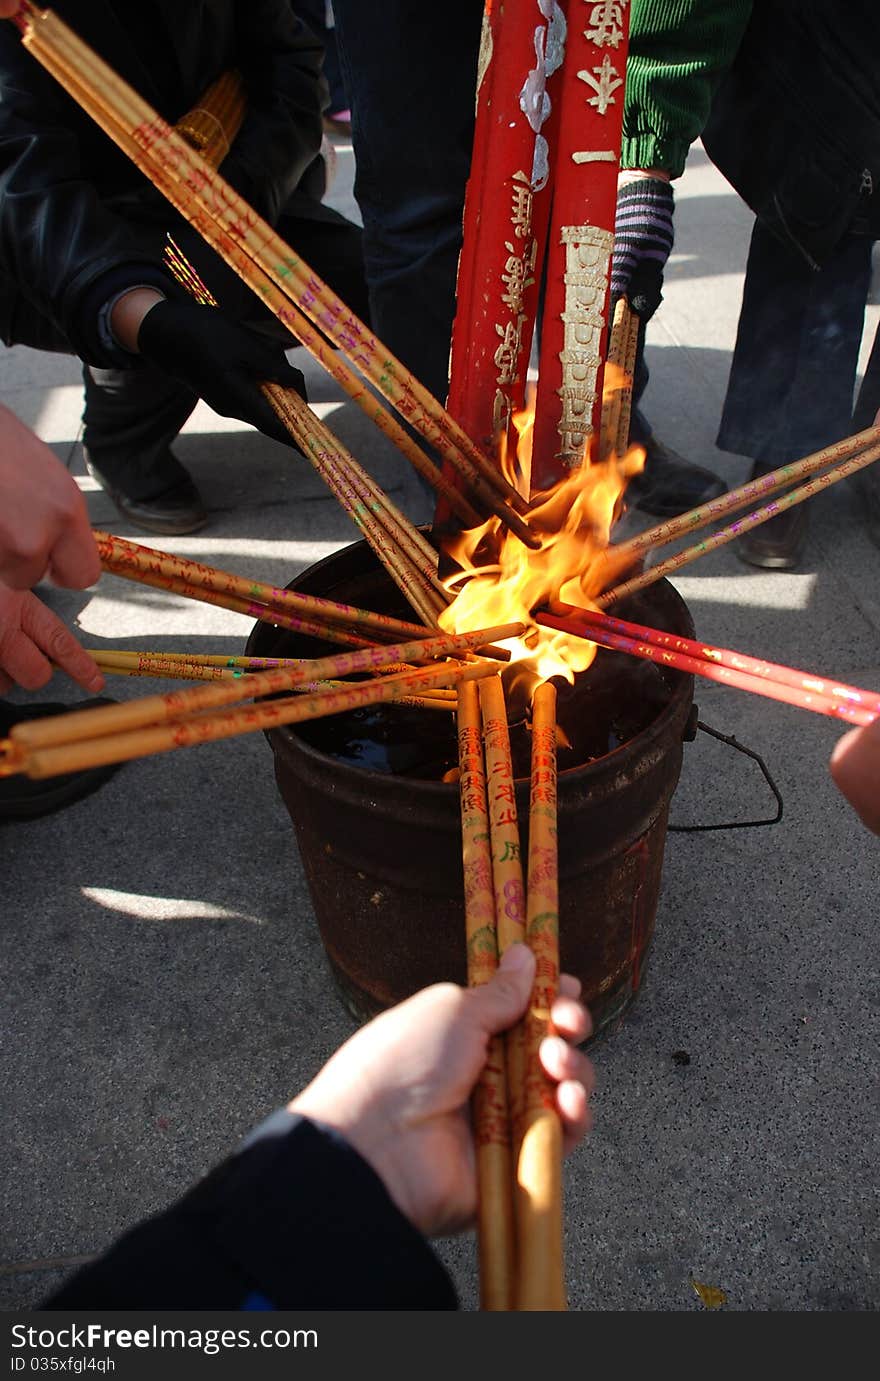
(839, 702)
(244, 239)
(541, 1271)
(738, 528)
(617, 402)
(624, 554)
(495, 1231)
(155, 709)
(129, 559)
(75, 756)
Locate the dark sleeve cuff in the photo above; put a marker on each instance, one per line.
(91, 342)
(296, 1218)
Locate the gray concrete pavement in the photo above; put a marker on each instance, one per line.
(165, 987)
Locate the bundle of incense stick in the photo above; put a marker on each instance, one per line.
(853, 454)
(617, 401)
(809, 691)
(156, 724)
(288, 286)
(178, 667)
(211, 126)
(517, 1129)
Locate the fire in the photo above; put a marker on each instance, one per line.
(574, 521)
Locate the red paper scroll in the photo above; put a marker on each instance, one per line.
(586, 160)
(505, 218)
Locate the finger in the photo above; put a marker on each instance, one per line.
(855, 768)
(569, 986)
(496, 1005)
(59, 645)
(571, 1019)
(6, 682)
(573, 1106)
(561, 1061)
(74, 560)
(24, 662)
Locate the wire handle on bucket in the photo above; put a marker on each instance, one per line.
(733, 742)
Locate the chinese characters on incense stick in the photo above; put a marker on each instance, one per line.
(517, 1130)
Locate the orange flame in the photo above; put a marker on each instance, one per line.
(574, 521)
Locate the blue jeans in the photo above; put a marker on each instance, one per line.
(410, 71)
(792, 377)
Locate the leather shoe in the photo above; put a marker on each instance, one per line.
(23, 799)
(775, 545)
(669, 484)
(176, 511)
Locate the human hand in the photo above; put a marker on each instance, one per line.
(855, 767)
(399, 1089)
(44, 526)
(31, 638)
(643, 239)
(221, 361)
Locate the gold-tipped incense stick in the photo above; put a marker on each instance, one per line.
(540, 1259)
(132, 561)
(157, 709)
(737, 529)
(84, 753)
(495, 1228)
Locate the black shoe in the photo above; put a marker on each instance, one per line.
(669, 484)
(23, 799)
(775, 545)
(179, 510)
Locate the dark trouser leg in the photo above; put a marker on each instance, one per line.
(867, 408)
(410, 71)
(791, 380)
(793, 372)
(131, 418)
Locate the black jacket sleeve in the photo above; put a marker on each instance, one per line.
(77, 220)
(296, 1220)
(280, 60)
(58, 235)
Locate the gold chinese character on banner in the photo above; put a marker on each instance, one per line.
(516, 276)
(607, 24)
(521, 208)
(604, 80)
(506, 357)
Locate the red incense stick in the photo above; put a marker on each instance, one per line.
(849, 703)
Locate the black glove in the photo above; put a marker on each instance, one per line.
(221, 361)
(643, 238)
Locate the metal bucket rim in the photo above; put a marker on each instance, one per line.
(286, 733)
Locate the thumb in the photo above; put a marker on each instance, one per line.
(500, 1003)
